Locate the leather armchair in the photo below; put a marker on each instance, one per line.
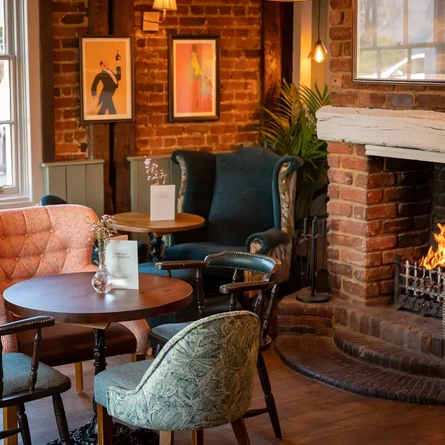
(247, 199)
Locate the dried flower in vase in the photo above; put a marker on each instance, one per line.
(103, 230)
(154, 172)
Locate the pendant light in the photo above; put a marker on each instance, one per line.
(319, 51)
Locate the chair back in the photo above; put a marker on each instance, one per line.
(41, 241)
(202, 378)
(254, 275)
(216, 187)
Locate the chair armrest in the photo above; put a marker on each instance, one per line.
(42, 321)
(175, 265)
(267, 240)
(230, 288)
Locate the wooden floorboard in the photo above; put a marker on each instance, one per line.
(311, 413)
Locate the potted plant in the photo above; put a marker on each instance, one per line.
(289, 127)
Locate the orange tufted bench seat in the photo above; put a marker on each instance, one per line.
(41, 241)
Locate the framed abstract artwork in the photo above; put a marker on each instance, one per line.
(106, 79)
(399, 41)
(194, 84)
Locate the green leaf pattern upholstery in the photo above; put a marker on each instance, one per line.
(202, 378)
(287, 183)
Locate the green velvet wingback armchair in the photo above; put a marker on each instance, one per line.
(247, 199)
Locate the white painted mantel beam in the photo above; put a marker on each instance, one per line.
(391, 133)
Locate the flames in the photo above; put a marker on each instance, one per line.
(436, 258)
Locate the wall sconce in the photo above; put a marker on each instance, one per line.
(151, 21)
(319, 51)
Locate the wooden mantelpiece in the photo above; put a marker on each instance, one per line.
(405, 134)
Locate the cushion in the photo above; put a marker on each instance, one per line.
(198, 251)
(242, 201)
(17, 368)
(125, 376)
(167, 331)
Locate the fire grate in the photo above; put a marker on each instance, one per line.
(418, 289)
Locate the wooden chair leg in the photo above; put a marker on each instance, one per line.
(104, 426)
(10, 421)
(78, 370)
(165, 438)
(22, 420)
(198, 437)
(240, 431)
(62, 424)
(268, 396)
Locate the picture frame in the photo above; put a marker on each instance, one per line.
(398, 42)
(106, 79)
(193, 78)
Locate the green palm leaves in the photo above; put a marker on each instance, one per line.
(290, 128)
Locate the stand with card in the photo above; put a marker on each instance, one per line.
(122, 262)
(162, 202)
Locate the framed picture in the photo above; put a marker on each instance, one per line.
(106, 79)
(193, 88)
(399, 42)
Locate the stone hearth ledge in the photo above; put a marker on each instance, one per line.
(403, 134)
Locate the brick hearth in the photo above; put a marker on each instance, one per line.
(382, 203)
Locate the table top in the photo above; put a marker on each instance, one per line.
(70, 298)
(140, 222)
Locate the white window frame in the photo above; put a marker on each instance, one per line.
(26, 134)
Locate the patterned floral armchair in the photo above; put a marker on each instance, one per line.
(247, 199)
(202, 378)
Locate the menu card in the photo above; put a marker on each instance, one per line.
(162, 202)
(122, 262)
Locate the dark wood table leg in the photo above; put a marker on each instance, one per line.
(122, 435)
(157, 247)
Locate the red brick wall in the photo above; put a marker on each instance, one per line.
(238, 24)
(69, 21)
(346, 93)
(379, 207)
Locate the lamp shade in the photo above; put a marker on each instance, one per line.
(165, 4)
(319, 52)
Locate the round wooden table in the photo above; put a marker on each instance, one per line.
(70, 298)
(139, 222)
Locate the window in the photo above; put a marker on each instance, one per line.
(20, 145)
(400, 40)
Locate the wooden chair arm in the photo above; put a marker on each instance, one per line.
(230, 288)
(176, 265)
(41, 321)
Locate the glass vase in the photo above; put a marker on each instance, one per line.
(102, 280)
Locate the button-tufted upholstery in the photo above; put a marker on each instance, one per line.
(40, 241)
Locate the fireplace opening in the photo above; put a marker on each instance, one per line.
(420, 286)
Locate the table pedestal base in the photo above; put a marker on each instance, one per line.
(87, 435)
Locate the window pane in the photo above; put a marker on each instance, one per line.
(5, 90)
(390, 22)
(5, 155)
(2, 27)
(420, 17)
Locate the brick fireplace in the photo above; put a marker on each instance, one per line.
(383, 165)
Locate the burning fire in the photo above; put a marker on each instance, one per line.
(436, 258)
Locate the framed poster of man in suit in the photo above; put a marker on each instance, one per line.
(106, 79)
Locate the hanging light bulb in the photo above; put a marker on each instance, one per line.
(319, 51)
